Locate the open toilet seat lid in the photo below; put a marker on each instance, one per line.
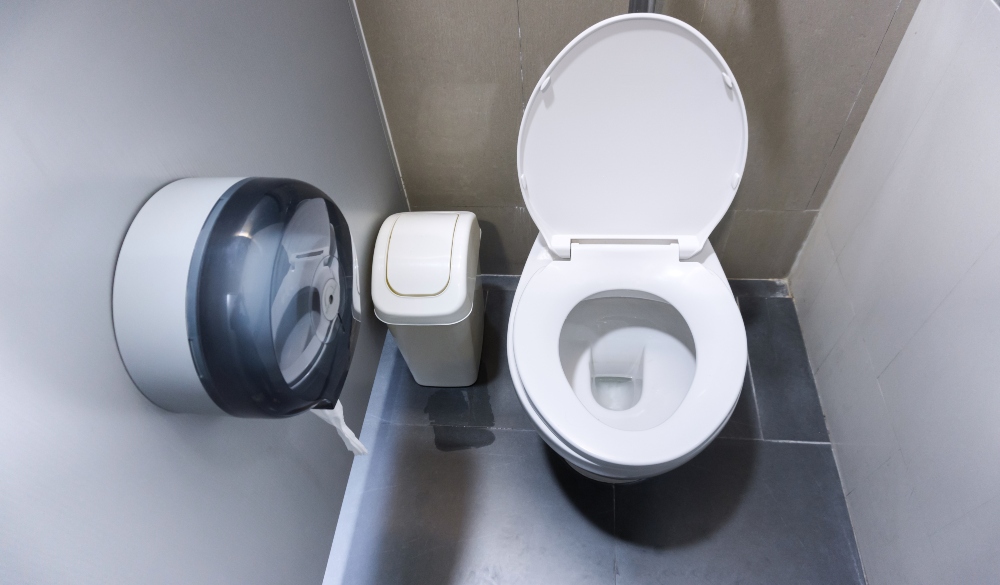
(703, 299)
(637, 130)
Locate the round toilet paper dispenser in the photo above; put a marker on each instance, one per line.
(237, 296)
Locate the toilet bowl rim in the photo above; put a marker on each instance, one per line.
(702, 298)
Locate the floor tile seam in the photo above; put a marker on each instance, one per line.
(498, 286)
(753, 394)
(852, 539)
(812, 374)
(452, 426)
(826, 421)
(850, 516)
(614, 531)
(781, 441)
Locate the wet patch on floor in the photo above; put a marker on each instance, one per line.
(461, 417)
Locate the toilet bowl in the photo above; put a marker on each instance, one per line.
(625, 344)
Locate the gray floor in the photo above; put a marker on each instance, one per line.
(460, 489)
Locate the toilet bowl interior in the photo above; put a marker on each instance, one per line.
(629, 357)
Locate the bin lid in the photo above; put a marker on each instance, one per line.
(418, 262)
(425, 266)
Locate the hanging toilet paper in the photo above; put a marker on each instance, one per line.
(335, 417)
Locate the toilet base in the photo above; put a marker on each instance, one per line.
(602, 478)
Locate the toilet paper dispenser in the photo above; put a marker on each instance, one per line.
(237, 296)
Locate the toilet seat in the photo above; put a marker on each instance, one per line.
(637, 131)
(703, 299)
(631, 149)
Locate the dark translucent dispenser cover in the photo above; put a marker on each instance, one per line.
(269, 300)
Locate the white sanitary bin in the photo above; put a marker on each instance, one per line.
(425, 289)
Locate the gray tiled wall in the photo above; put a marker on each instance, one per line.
(454, 77)
(903, 336)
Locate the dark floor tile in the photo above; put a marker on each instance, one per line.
(490, 402)
(787, 401)
(742, 511)
(743, 423)
(509, 512)
(759, 288)
(510, 413)
(499, 281)
(452, 496)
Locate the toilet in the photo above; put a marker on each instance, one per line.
(625, 344)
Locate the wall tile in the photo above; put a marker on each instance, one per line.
(813, 264)
(931, 220)
(855, 411)
(763, 244)
(967, 548)
(941, 391)
(826, 320)
(800, 65)
(508, 234)
(934, 36)
(911, 219)
(549, 25)
(449, 75)
(720, 235)
(872, 81)
(893, 544)
(454, 77)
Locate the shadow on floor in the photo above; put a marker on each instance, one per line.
(679, 508)
(588, 496)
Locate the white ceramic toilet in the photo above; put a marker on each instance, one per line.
(625, 343)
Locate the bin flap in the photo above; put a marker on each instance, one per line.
(418, 261)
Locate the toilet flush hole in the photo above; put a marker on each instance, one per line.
(616, 392)
(615, 382)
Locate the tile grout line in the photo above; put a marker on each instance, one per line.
(614, 530)
(947, 295)
(373, 78)
(785, 441)
(494, 428)
(909, 133)
(520, 51)
(854, 104)
(753, 393)
(447, 426)
(753, 382)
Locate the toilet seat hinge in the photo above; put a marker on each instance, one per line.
(685, 246)
(657, 252)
